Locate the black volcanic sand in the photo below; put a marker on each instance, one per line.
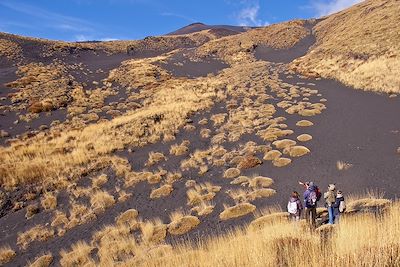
(358, 127)
(180, 65)
(266, 53)
(92, 63)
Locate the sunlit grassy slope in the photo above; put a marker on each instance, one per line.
(359, 46)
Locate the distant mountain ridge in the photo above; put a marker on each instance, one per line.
(198, 26)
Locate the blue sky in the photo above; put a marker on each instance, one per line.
(79, 20)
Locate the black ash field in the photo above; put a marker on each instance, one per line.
(178, 137)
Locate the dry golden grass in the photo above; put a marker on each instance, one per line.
(59, 219)
(80, 214)
(153, 232)
(180, 149)
(42, 261)
(163, 191)
(274, 241)
(41, 87)
(261, 193)
(366, 204)
(341, 165)
(272, 155)
(231, 173)
(242, 180)
(218, 119)
(170, 101)
(10, 50)
(181, 224)
(99, 181)
(100, 201)
(201, 194)
(205, 133)
(37, 232)
(304, 137)
(260, 181)
(269, 219)
(270, 240)
(6, 254)
(281, 162)
(31, 210)
(113, 244)
(304, 123)
(79, 255)
(128, 217)
(298, 151)
(123, 196)
(238, 210)
(49, 201)
(203, 208)
(238, 48)
(284, 143)
(249, 162)
(189, 128)
(358, 46)
(155, 157)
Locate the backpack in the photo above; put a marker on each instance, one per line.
(292, 207)
(319, 194)
(342, 206)
(312, 198)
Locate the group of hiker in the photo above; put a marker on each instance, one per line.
(334, 202)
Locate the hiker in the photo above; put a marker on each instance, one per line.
(294, 207)
(311, 197)
(330, 199)
(339, 206)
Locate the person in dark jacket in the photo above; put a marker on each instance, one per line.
(339, 206)
(311, 197)
(294, 206)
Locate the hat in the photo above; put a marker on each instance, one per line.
(331, 187)
(339, 194)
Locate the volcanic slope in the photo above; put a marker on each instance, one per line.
(111, 154)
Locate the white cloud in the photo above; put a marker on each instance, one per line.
(248, 15)
(89, 37)
(107, 39)
(332, 6)
(83, 38)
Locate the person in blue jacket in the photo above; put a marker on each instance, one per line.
(311, 196)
